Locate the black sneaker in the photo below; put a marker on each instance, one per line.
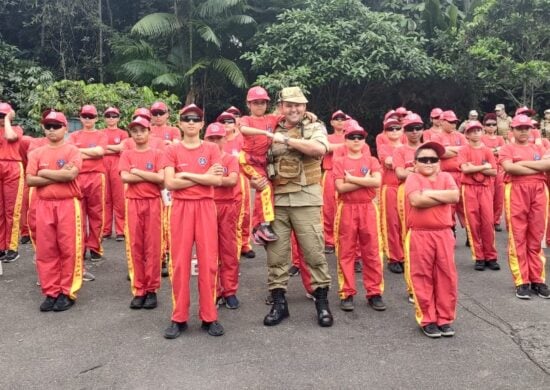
(2, 255)
(358, 265)
(432, 331)
(24, 240)
(376, 303)
(467, 243)
(11, 256)
(95, 256)
(137, 302)
(150, 301)
(480, 265)
(395, 268)
(411, 298)
(347, 304)
(541, 290)
(249, 254)
(522, 291)
(48, 304)
(329, 249)
(492, 264)
(106, 236)
(213, 328)
(231, 302)
(497, 227)
(164, 269)
(174, 330)
(62, 303)
(447, 330)
(293, 270)
(119, 237)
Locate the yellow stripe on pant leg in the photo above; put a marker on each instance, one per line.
(128, 244)
(407, 249)
(513, 261)
(380, 243)
(171, 262)
(468, 226)
(240, 219)
(401, 211)
(541, 253)
(79, 250)
(384, 221)
(14, 234)
(267, 204)
(341, 278)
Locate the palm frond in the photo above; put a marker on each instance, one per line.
(240, 19)
(230, 70)
(200, 64)
(211, 8)
(169, 80)
(143, 70)
(208, 35)
(157, 24)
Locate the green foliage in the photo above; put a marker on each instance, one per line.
(68, 96)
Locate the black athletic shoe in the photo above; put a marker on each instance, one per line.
(24, 240)
(164, 269)
(150, 301)
(447, 330)
(358, 266)
(48, 304)
(2, 255)
(119, 237)
(62, 303)
(395, 267)
(498, 228)
(213, 328)
(137, 302)
(329, 249)
(174, 330)
(376, 303)
(522, 291)
(541, 290)
(492, 265)
(11, 256)
(231, 302)
(432, 331)
(293, 270)
(480, 265)
(347, 304)
(95, 256)
(249, 254)
(467, 243)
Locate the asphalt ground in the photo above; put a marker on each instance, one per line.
(501, 341)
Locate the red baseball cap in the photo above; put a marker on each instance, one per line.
(88, 109)
(54, 117)
(391, 122)
(159, 106)
(337, 114)
(436, 146)
(521, 120)
(525, 110)
(111, 110)
(473, 125)
(234, 110)
(140, 121)
(489, 116)
(436, 113)
(192, 108)
(215, 129)
(401, 111)
(412, 119)
(225, 115)
(351, 126)
(5, 108)
(389, 114)
(257, 93)
(143, 112)
(449, 116)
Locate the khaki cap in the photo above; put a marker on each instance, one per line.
(292, 95)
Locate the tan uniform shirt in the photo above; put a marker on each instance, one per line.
(503, 126)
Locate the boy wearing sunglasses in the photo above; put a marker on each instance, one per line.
(429, 244)
(357, 176)
(159, 124)
(53, 170)
(193, 169)
(12, 184)
(478, 167)
(114, 189)
(526, 207)
(91, 178)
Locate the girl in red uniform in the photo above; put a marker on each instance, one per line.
(53, 170)
(526, 207)
(114, 189)
(357, 176)
(478, 167)
(193, 169)
(142, 170)
(429, 245)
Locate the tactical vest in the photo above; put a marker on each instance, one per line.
(291, 165)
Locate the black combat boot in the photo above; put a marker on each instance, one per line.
(279, 310)
(324, 316)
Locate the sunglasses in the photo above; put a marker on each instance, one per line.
(339, 119)
(189, 119)
(413, 128)
(2, 116)
(111, 116)
(53, 126)
(88, 116)
(428, 160)
(394, 128)
(355, 137)
(158, 113)
(228, 121)
(490, 124)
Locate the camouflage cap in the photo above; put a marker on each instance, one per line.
(292, 95)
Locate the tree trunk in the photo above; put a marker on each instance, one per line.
(100, 23)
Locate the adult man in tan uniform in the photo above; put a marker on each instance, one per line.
(297, 149)
(503, 121)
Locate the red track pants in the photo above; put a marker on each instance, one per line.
(498, 200)
(114, 196)
(59, 246)
(478, 211)
(12, 179)
(432, 275)
(329, 206)
(243, 225)
(24, 223)
(526, 207)
(193, 222)
(390, 227)
(357, 224)
(92, 185)
(228, 247)
(144, 243)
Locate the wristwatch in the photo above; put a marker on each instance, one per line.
(286, 138)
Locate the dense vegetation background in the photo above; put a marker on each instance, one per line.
(360, 56)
